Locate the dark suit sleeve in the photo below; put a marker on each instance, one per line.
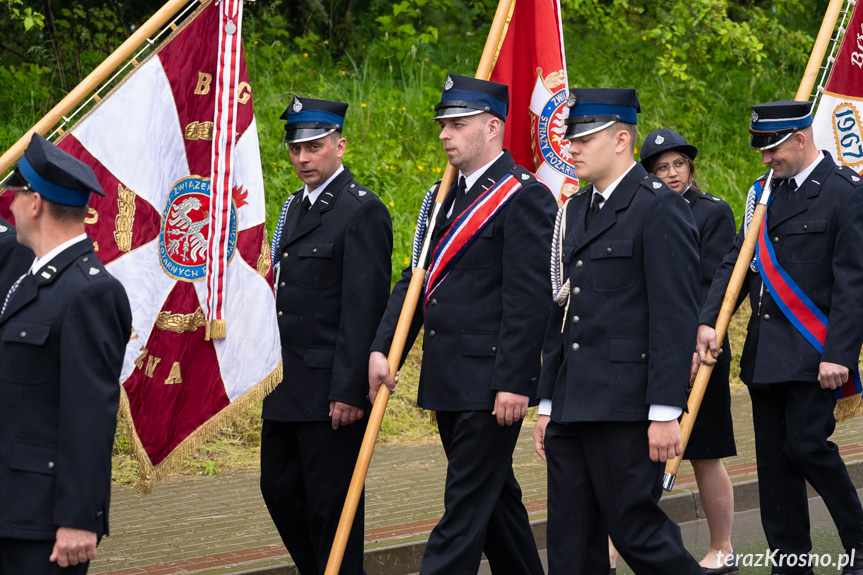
(367, 271)
(845, 324)
(671, 275)
(525, 291)
(94, 334)
(710, 308)
(716, 239)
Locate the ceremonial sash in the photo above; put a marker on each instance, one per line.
(464, 229)
(803, 314)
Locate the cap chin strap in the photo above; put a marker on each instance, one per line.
(591, 130)
(774, 144)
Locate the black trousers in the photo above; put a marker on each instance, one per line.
(601, 482)
(484, 512)
(21, 556)
(792, 423)
(306, 468)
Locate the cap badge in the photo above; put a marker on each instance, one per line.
(656, 185)
(230, 27)
(94, 271)
(297, 106)
(571, 100)
(659, 139)
(448, 85)
(754, 116)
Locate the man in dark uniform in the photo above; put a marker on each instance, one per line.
(484, 311)
(64, 326)
(332, 250)
(815, 226)
(15, 259)
(617, 349)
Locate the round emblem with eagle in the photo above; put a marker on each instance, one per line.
(185, 229)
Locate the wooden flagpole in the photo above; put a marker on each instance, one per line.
(738, 276)
(486, 64)
(93, 80)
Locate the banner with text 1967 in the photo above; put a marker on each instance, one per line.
(838, 127)
(532, 61)
(150, 142)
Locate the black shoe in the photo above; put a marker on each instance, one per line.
(856, 565)
(728, 567)
(613, 571)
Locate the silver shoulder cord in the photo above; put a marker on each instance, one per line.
(560, 292)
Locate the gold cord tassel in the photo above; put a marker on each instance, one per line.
(848, 407)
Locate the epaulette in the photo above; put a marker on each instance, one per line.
(707, 196)
(521, 173)
(91, 269)
(653, 183)
(849, 174)
(360, 192)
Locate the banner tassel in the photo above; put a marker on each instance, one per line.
(848, 407)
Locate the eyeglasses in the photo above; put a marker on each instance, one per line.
(662, 169)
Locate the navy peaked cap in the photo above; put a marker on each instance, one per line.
(664, 140)
(774, 122)
(55, 174)
(464, 96)
(308, 119)
(593, 109)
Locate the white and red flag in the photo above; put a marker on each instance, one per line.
(532, 62)
(185, 251)
(838, 127)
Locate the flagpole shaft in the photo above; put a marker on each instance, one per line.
(334, 563)
(729, 303)
(93, 80)
(822, 41)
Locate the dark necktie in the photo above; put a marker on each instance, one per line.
(460, 197)
(790, 188)
(594, 209)
(304, 209)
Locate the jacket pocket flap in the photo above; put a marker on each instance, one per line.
(478, 344)
(33, 333)
(320, 357)
(33, 457)
(627, 349)
(807, 226)
(611, 249)
(315, 250)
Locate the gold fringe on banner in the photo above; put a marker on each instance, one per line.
(848, 408)
(150, 474)
(217, 329)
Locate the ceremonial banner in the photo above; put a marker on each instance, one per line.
(838, 127)
(150, 143)
(532, 61)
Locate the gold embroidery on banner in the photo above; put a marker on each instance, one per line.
(92, 216)
(203, 86)
(139, 361)
(178, 323)
(133, 335)
(95, 246)
(244, 92)
(125, 218)
(553, 80)
(265, 259)
(199, 131)
(152, 362)
(175, 376)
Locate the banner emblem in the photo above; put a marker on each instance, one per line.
(847, 134)
(550, 128)
(185, 229)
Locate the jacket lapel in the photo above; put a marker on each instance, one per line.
(619, 200)
(495, 172)
(28, 290)
(783, 209)
(323, 204)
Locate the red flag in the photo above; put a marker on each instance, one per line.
(150, 143)
(532, 61)
(837, 123)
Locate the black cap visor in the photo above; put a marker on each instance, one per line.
(585, 125)
(460, 109)
(306, 131)
(765, 140)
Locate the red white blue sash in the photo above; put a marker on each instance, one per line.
(796, 305)
(464, 229)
